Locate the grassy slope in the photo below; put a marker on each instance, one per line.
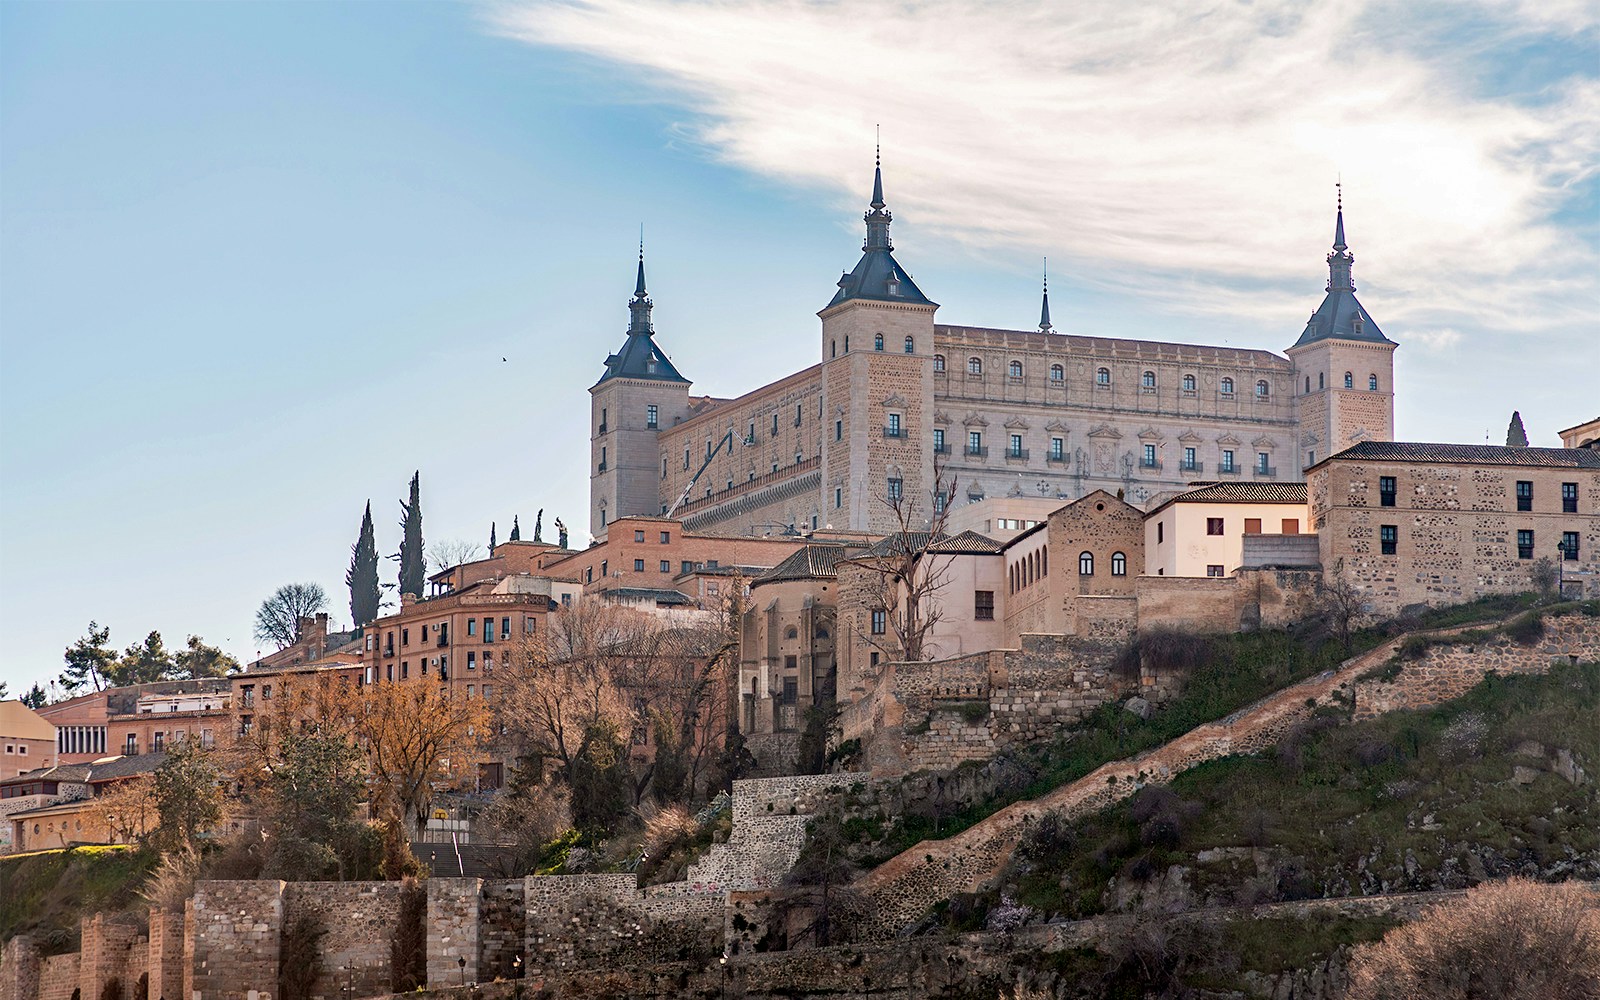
(46, 892)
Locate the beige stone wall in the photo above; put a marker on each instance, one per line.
(236, 935)
(1332, 418)
(629, 482)
(1186, 548)
(1103, 526)
(1456, 529)
(1199, 604)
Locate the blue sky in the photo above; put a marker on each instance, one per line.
(259, 262)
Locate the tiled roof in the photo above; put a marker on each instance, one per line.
(806, 563)
(647, 594)
(919, 541)
(967, 541)
(61, 772)
(1238, 493)
(126, 767)
(1468, 454)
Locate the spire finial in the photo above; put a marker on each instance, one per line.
(1338, 225)
(1044, 310)
(877, 168)
(638, 288)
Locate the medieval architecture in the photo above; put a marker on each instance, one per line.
(898, 403)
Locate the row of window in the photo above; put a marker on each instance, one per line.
(442, 639)
(1567, 548)
(1102, 376)
(1349, 381)
(1029, 569)
(1388, 488)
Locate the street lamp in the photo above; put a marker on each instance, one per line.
(1561, 570)
(723, 962)
(462, 964)
(516, 967)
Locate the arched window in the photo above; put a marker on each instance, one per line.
(1227, 387)
(1372, 383)
(1261, 389)
(974, 366)
(1086, 564)
(938, 362)
(911, 346)
(822, 633)
(1119, 564)
(877, 342)
(1102, 376)
(833, 348)
(1148, 380)
(1015, 369)
(791, 633)
(1188, 383)
(1057, 373)
(1349, 381)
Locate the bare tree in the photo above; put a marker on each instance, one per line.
(904, 573)
(415, 735)
(452, 552)
(1338, 602)
(281, 618)
(1544, 574)
(127, 809)
(1511, 940)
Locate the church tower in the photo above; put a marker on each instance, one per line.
(877, 388)
(640, 394)
(1344, 366)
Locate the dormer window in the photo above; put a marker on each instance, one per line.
(894, 284)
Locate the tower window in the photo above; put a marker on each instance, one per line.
(1148, 380)
(1226, 387)
(838, 430)
(877, 342)
(1102, 376)
(974, 366)
(651, 416)
(1188, 383)
(897, 489)
(911, 346)
(938, 362)
(1320, 383)
(880, 621)
(1086, 564)
(1015, 369)
(1262, 390)
(1372, 383)
(1349, 381)
(1057, 373)
(838, 497)
(1308, 383)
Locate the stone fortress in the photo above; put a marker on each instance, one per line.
(899, 402)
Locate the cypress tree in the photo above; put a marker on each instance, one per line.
(362, 576)
(1516, 437)
(492, 542)
(516, 529)
(413, 565)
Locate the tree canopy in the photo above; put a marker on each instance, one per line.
(362, 576)
(413, 564)
(1516, 436)
(280, 619)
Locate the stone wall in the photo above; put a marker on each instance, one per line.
(236, 934)
(166, 954)
(107, 944)
(1450, 671)
(1192, 603)
(59, 977)
(452, 924)
(358, 922)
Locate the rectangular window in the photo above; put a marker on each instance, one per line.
(838, 430)
(938, 440)
(605, 568)
(791, 690)
(1569, 498)
(983, 605)
(602, 458)
(1214, 525)
(405, 669)
(158, 741)
(897, 489)
(975, 442)
(686, 458)
(405, 637)
(1149, 456)
(638, 565)
(1524, 495)
(472, 626)
(791, 663)
(505, 627)
(838, 497)
(1388, 538)
(1227, 460)
(894, 425)
(651, 416)
(1058, 449)
(1291, 526)
(1386, 491)
(1569, 545)
(1263, 462)
(880, 621)
(1161, 532)
(1016, 446)
(1213, 569)
(666, 538)
(774, 425)
(1252, 525)
(472, 660)
(638, 535)
(666, 566)
(1525, 543)
(1188, 459)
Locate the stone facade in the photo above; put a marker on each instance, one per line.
(898, 398)
(1413, 524)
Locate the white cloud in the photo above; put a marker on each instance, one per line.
(1438, 341)
(1149, 148)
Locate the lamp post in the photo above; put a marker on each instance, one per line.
(461, 963)
(516, 967)
(723, 962)
(1561, 570)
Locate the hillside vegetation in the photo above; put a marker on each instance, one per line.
(46, 892)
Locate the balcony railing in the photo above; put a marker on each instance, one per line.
(1229, 470)
(1150, 463)
(1195, 467)
(980, 451)
(1265, 471)
(1017, 454)
(894, 432)
(942, 449)
(1059, 457)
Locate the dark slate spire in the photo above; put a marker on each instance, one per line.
(1044, 310)
(877, 275)
(640, 357)
(1341, 316)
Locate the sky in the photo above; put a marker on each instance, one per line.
(261, 262)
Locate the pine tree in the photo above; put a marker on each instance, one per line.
(492, 542)
(413, 565)
(362, 576)
(1516, 437)
(516, 529)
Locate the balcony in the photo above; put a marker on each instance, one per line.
(1058, 457)
(1265, 471)
(942, 448)
(894, 432)
(1153, 464)
(1194, 468)
(1016, 454)
(978, 451)
(1229, 470)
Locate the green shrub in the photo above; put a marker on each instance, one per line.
(1525, 630)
